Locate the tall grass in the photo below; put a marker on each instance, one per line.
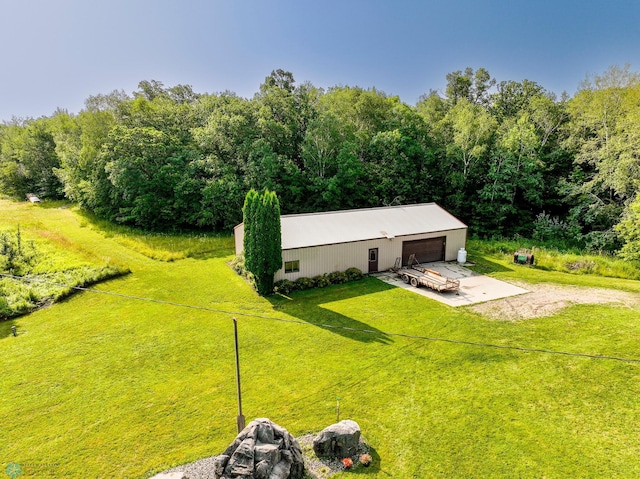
(20, 295)
(161, 246)
(42, 268)
(572, 261)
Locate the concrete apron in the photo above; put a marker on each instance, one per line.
(474, 288)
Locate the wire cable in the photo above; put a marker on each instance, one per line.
(329, 326)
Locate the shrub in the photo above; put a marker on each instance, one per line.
(16, 256)
(548, 228)
(321, 281)
(337, 277)
(353, 274)
(304, 283)
(237, 264)
(581, 266)
(365, 459)
(284, 286)
(600, 241)
(5, 310)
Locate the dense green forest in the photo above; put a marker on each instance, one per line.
(507, 157)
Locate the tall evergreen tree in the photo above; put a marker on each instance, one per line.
(249, 213)
(262, 238)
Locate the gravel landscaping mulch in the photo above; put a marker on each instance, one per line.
(315, 468)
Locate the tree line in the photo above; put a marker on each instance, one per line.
(507, 157)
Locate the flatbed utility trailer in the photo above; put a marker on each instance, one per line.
(417, 275)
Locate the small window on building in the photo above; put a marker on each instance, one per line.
(292, 266)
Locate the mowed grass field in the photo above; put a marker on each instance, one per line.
(107, 386)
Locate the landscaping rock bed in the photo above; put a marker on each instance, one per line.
(315, 468)
(323, 468)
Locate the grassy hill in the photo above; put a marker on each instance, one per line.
(105, 385)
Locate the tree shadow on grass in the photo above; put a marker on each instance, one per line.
(485, 266)
(308, 306)
(159, 245)
(54, 204)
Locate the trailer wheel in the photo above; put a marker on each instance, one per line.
(414, 282)
(405, 278)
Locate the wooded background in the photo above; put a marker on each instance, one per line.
(508, 158)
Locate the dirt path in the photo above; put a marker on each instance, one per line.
(548, 299)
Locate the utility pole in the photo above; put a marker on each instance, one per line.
(240, 418)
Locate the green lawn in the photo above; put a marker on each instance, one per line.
(100, 386)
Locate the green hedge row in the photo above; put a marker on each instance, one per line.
(286, 286)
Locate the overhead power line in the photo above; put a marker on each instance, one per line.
(328, 326)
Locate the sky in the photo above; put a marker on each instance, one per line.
(56, 53)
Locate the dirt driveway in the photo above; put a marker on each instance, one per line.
(548, 299)
(515, 300)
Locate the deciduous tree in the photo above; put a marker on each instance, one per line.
(629, 231)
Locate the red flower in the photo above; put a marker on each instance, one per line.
(347, 462)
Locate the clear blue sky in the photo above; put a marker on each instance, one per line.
(55, 53)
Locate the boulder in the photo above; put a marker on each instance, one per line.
(267, 452)
(338, 440)
(219, 463)
(241, 461)
(262, 450)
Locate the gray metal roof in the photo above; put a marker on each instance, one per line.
(315, 229)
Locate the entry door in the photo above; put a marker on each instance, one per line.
(373, 260)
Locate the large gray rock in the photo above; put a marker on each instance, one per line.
(262, 450)
(241, 461)
(338, 440)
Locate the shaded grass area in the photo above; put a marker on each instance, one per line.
(309, 307)
(106, 386)
(161, 246)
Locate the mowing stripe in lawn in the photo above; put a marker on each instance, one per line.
(331, 326)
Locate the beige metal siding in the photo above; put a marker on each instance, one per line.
(238, 237)
(319, 260)
(456, 239)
